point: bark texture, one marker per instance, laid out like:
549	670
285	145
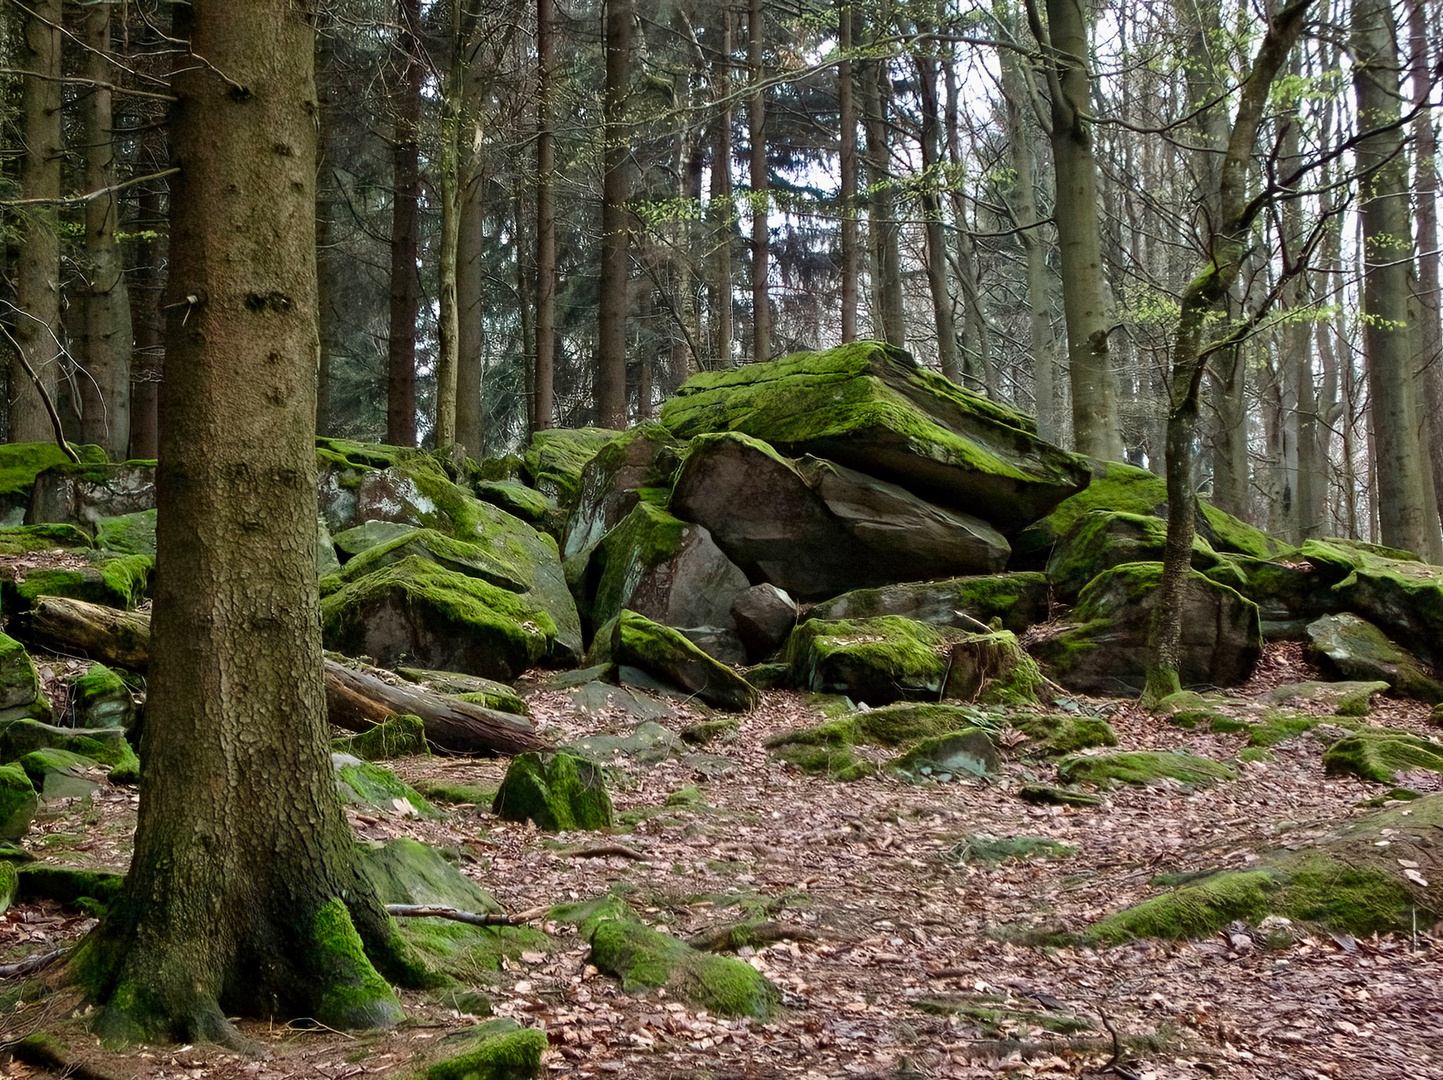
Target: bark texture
243	895
609	385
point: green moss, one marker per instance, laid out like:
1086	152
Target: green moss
890	725
69	886
992	669
1143	767
666	654
121	581
39	763
687	795
834	762
1018	599
127	534
1253	754
555	457
363	784
21	463
9	884
587	915
351	993
706	732
878	660
105	745
1056	734
991	850
969	752
1379	754
20	694
469	688
514	1055
1278	726
516	498
461	794
18	802
27	539
647	537
101	699
556	791
400	736
460	556
1357	900
643	958
1192	911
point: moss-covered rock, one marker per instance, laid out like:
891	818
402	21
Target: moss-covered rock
555	457
59	774
666	569
556	791
1402	597
1104	646
900	724
991	850
871	407
20	694
634	641
70	886
1356	649
1380	754
105	745
1056	734
9	884
1102	539
398	736
418	611
127	534
21	463
27	539
643	959
1018	599
119	581
18	802
519	500
364	784
992	669
1341	698
969	752
461	556
612	483
878	660
83	494
1127	489
101	699
510	1055
1143	767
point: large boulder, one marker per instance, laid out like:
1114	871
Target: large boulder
1354	648
669	570
764	615
1020	600
636	463
84	494
1102	539
1402	597
816	528
632	641
555	457
877	661
21	463
1104	648
871	407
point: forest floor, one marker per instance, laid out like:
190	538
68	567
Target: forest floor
906	959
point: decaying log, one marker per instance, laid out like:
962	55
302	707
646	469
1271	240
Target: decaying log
355	699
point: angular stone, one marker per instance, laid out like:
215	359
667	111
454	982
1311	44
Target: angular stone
18	802
717	642
1102	539
878	661
632	640
21	463
1019	599
83	494
815	528
764	616
614	481
555	457
871	407
556	791
20	694
1356	649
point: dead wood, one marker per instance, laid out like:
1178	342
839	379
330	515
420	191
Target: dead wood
472	918
728	938
356	699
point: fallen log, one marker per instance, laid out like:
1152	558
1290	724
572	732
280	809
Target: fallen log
356	699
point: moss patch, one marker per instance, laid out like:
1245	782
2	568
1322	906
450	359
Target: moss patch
353	994
1056	734
127	534
878	660
991	850
20	694
1193	910
1379	754
18	802
101	699
27	539
361	783
1144	767
514	1055
554	459
969	752
105	745
556	791
400	736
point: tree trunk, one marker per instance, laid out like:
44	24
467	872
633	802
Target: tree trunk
722	210
406	193
470	297
760	202
942	307
882	226
609	388
1096	426
448	328
847	196
544	371
37	270
149	355
1389	321
105	393
243	895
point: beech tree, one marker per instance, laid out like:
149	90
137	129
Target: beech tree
243	895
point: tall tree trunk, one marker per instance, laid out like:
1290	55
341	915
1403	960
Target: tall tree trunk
149	354
847	154
327	267
760	202
105	383
406	193
1096	425
470	296
609	387
882	225
544	371
1389	324
722	210
243	895
932	217
448	328
37	270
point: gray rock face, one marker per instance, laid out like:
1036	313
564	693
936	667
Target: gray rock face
816	529
83	494
1356	649
609	486
1018	599
1105	649
764	616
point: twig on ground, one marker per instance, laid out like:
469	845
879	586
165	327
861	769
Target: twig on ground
473	918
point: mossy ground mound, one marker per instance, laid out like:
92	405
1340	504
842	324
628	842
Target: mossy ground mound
1342	698
493	1054
1055	734
891	725
1380	754
1144	767
105	745
27	539
992	669
556	791
361	783
986	850
119	581
966	753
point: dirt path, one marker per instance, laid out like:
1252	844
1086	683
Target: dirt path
908	961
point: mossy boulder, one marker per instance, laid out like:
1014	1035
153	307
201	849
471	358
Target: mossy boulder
83	494
816	528
1127	489
519	500
1143	767
1347	698
127	534
1380	754
18	802
417	611
371	534
1102	539
105	745
969	752
395	737
1104	646
878	660
992	669
643	959
1289	590
900	724
503	1055
555	457
461	556
9	884
119	581
669	570
1019	600
1055	734
1402	597
361	783
871	407
20	694
27	539
100	698
59	774
471	688
21	463
556	791
1356	649
1381	873
70	886
634	641
613	482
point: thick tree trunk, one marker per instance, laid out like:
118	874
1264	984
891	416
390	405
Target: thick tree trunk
609	385
243	896
543	402
470	296
37	270
105	393
883	229
148	361
1390	322
406	193
760	201
1096	426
